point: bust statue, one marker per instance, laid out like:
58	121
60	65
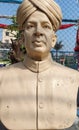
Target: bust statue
38	93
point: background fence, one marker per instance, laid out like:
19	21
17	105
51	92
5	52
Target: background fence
66	36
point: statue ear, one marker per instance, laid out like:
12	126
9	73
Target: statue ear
54	39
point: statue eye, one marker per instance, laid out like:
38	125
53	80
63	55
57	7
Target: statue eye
30	26
46	26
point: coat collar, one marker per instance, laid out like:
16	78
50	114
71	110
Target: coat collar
38	66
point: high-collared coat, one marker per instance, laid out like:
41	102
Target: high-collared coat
38	95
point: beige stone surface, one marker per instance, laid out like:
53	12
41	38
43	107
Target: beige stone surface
46	99
75	126
38	93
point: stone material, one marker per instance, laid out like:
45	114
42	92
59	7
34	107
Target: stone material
34	98
49	7
38	93
75	126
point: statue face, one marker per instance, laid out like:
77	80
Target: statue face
38	35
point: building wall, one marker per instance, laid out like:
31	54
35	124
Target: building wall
7	35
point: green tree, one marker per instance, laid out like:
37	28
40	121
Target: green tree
18	50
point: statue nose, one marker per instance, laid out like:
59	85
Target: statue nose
38	34
38	31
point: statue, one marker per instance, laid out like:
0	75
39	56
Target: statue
38	93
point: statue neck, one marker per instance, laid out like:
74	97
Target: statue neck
38	66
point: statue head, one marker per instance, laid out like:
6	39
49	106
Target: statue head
39	19
49	7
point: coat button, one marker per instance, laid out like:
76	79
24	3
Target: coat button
41	105
40	80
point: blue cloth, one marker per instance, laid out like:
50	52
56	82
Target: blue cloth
12	1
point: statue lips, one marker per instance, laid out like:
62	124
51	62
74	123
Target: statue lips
38	43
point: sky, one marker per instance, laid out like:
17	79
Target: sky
70	10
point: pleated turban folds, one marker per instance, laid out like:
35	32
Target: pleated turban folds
49	7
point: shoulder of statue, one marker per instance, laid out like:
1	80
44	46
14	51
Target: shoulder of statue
65	69
67	72
9	70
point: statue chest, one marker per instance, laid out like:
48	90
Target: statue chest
36	101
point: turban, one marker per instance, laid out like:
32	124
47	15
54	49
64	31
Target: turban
49	7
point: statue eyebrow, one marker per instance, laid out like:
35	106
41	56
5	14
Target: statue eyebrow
34	22
30	22
45	22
